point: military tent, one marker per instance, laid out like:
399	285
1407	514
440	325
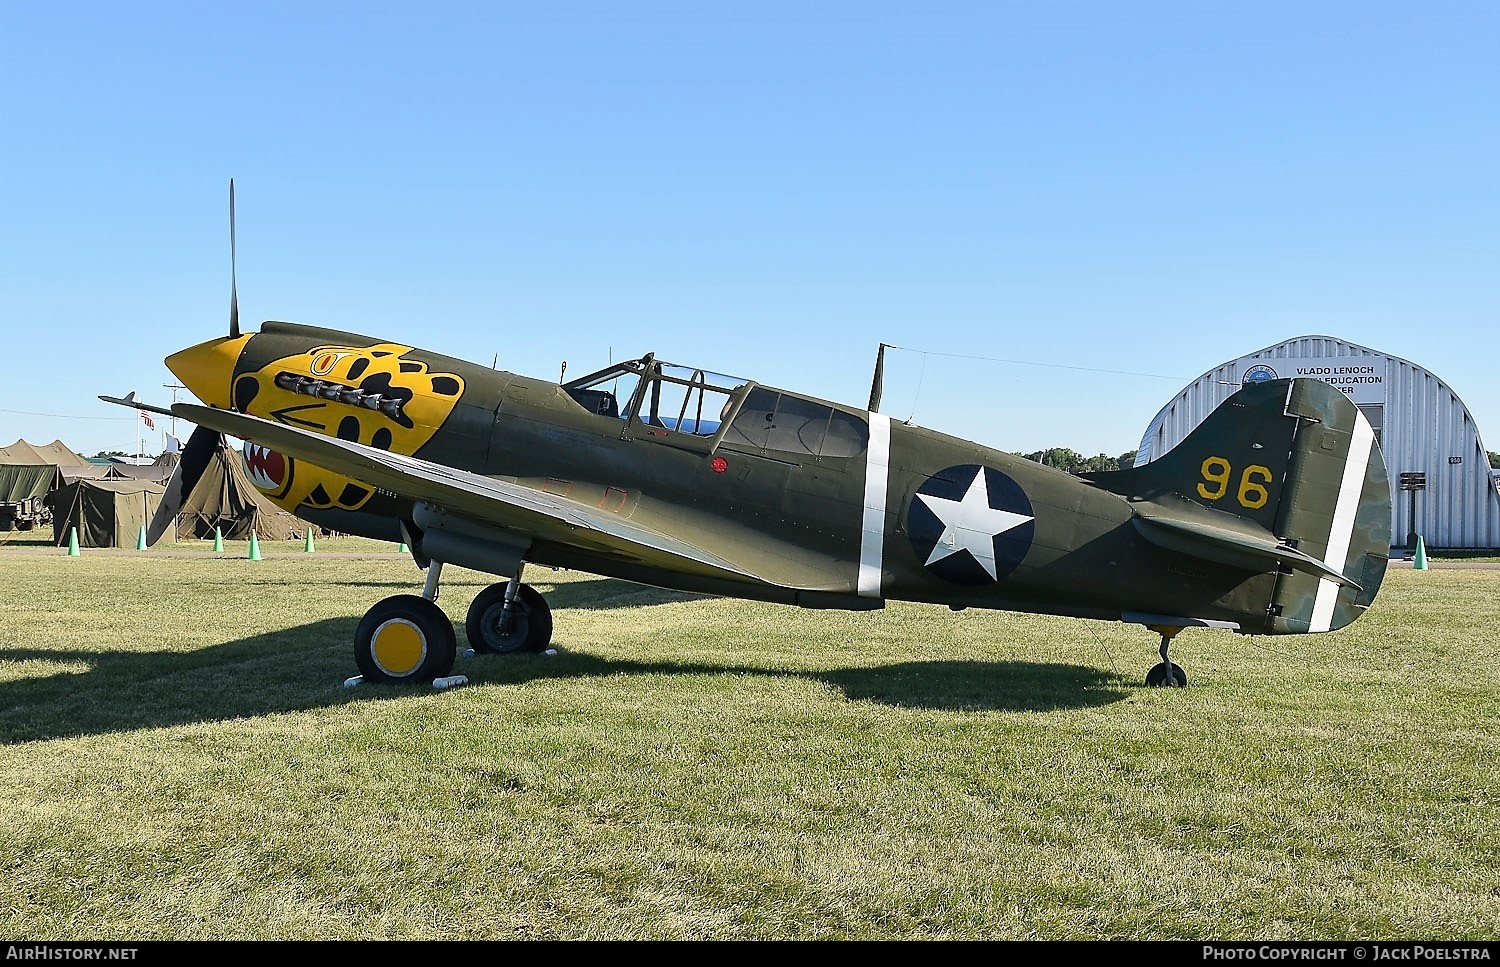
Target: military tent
224	498
89	471
23	492
107	513
55	453
158	471
19	481
27	474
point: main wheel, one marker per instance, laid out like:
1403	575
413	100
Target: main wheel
530	621
1157	677
404	638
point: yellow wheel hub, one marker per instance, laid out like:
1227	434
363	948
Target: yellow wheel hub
398	647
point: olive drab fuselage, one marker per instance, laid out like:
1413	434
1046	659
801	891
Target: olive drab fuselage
815	503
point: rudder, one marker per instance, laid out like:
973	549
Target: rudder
1336	507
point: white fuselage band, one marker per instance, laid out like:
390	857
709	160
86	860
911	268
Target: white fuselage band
877	478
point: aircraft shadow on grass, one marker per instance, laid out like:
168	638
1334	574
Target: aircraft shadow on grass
281	672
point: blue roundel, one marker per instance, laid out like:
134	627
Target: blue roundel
970	524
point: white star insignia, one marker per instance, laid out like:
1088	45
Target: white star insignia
971	524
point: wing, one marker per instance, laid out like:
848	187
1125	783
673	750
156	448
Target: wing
528	513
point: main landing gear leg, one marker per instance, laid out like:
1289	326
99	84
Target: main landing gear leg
1166	674
509	617
506	624
430	589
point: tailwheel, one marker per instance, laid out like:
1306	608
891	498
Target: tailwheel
404	638
1157	677
1167	674
502	620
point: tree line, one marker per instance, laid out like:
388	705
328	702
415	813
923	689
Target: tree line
1072	461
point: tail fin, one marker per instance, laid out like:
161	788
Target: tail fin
1285	476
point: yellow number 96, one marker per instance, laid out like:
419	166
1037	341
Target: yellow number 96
1252	492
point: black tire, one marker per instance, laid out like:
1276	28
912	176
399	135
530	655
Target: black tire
530	621
404	638
1157	677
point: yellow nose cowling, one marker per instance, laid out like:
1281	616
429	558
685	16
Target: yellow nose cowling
207	369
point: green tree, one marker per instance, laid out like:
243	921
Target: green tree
1494	460
1059	458
1072	461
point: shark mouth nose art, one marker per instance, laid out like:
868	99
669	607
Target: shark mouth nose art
267	468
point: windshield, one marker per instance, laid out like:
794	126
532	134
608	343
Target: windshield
673	396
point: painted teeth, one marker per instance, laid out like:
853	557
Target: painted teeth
257	461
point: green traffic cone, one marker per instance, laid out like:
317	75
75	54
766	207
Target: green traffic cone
307	545
218	541
254	547
140	542
1420	563
72	542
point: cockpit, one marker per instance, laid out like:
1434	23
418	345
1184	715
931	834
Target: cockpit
660	394
702	410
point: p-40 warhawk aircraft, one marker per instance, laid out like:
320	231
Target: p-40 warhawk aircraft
1272	517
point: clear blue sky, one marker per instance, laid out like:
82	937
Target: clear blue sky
1112	197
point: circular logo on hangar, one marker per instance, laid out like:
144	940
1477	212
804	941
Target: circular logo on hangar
970	524
1257	374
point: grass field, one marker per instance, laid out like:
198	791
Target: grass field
179	759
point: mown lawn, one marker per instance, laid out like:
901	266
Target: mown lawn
179	758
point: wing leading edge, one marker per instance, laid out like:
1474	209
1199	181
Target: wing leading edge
536	516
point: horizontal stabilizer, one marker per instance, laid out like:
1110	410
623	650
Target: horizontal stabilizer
1175	621
1238	546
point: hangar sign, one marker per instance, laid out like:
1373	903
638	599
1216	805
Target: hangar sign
1361	378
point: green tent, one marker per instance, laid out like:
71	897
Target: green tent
107	513
225	498
23	492
55	453
28	473
19	482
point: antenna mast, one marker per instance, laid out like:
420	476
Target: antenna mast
877	385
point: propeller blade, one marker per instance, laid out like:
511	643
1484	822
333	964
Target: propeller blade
200	449
234	294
